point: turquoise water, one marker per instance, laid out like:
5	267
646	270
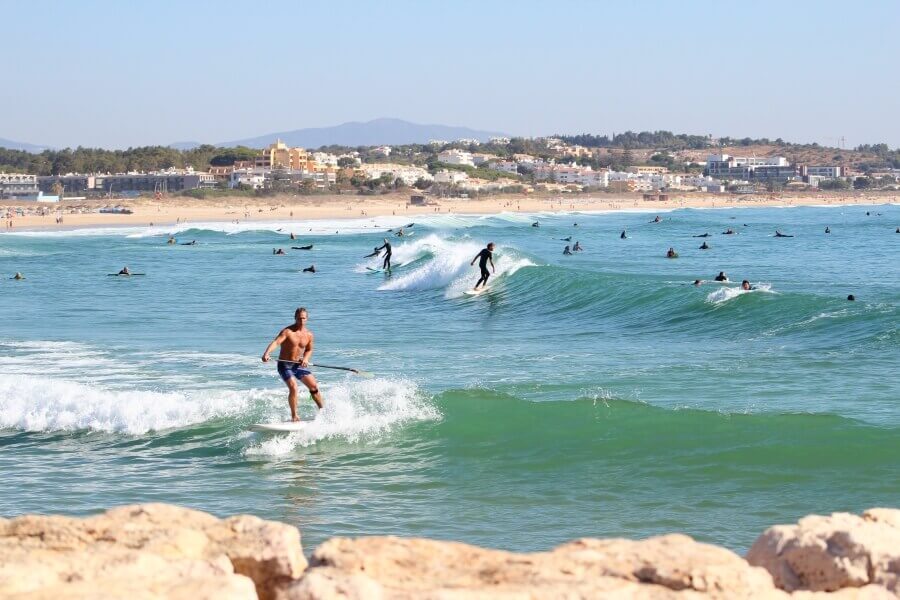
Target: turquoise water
591	395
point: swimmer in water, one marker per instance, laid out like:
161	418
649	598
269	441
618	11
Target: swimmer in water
18	276
721	276
704	246
124	271
622	235
656	220
698	282
567	239
745	285
671	253
310	269
577	247
375	252
779	234
851	298
702	235
535	224
827	229
567	252
277	251
728	231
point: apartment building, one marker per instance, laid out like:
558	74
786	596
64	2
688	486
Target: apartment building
647	170
450	177
767	169
456	157
506	166
823	172
18	185
280	156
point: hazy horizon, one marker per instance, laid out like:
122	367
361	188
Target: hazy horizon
100	74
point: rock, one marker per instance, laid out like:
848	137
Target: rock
147	551
843	550
672	566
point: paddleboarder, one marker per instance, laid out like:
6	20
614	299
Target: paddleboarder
296	343
486	255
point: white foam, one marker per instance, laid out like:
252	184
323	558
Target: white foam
447	266
42	404
355	411
724	294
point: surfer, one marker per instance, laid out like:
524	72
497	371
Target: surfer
704	246
296	343
728	231
827	229
721	277
779	234
293	237
851	298
191	243
622	236
171	241
698	282
486	255
310	269
309	247
702	235
566	239
18	276
567	252
745	285
277	251
577	247
656	220
670	253
535	224
375	252
124	271
386	265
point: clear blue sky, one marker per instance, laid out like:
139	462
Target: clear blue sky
118	74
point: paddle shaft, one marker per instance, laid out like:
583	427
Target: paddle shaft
297	362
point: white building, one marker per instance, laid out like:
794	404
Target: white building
382	151
456	157
450	176
325	159
18	185
251	176
500	141
469	141
507	166
408	174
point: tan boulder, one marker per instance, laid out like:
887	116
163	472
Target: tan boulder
828	553
673	566
157	544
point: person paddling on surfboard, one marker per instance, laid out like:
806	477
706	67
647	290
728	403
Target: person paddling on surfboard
387	255
483	257
296	343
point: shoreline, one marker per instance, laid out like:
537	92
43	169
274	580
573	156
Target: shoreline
180	210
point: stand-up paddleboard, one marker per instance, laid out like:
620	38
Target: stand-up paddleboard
477	292
373	270
284	427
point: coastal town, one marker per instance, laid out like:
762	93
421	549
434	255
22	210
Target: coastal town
465	168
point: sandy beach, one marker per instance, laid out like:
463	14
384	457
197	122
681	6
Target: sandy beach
172	210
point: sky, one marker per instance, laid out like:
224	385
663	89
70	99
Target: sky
117	74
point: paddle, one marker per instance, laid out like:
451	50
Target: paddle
354	371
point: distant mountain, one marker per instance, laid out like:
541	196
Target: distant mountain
370	133
11	145
185	145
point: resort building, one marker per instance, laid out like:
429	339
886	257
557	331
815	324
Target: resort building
280	156
768	169
18	186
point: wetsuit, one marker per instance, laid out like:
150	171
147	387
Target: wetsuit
483	257
387	256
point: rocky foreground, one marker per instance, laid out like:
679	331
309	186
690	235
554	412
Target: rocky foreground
152	551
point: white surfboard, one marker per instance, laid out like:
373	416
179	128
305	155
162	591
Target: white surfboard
283	427
477	292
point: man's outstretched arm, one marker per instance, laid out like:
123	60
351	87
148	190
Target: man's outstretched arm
279	339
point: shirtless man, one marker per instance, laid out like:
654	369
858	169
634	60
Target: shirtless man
296	343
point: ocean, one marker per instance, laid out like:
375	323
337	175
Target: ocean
593	395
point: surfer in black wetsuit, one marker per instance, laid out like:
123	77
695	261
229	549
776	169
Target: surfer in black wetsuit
704	246
779	234
721	276
828	230
745	285
567	239
310	269
702	235
567	252
387	255
486	255
622	236
577	247
375	252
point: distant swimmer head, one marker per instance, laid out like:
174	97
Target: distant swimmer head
698	282
851	298
745	285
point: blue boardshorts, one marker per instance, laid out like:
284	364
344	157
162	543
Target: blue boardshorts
289	369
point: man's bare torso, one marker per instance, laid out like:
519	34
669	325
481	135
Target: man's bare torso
295	343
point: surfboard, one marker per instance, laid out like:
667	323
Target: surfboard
477	292
372	270
284	427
